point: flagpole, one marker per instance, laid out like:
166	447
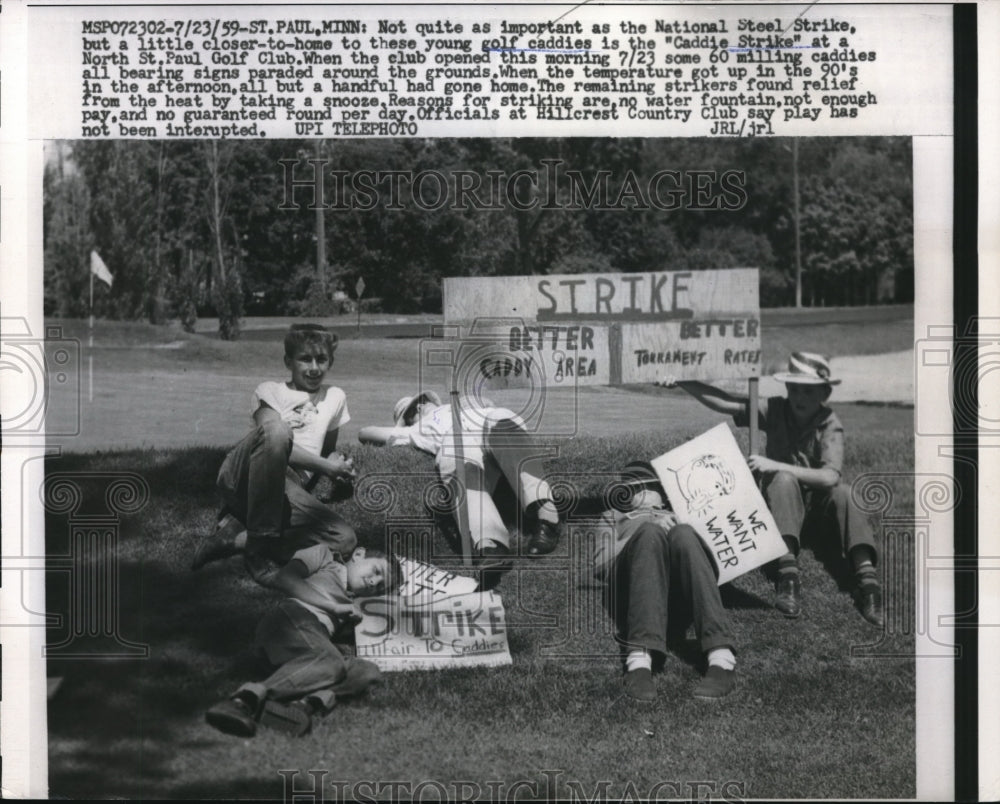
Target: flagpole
90	341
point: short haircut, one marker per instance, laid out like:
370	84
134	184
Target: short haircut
301	335
394	570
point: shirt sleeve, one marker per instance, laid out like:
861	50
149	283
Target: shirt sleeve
742	419
312	557
264	393
340	416
831	445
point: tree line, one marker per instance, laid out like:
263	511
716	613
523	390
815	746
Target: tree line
208	228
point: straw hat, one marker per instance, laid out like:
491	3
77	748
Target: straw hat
807	368
406	405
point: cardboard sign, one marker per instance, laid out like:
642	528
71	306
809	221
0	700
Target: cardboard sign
711	488
607	297
718	348
605	329
436	621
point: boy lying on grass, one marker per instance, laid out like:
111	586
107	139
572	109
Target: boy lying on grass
800	476
497	448
661	578
296	638
264	481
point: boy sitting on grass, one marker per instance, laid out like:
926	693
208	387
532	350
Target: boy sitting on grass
264	480
296	638
800	476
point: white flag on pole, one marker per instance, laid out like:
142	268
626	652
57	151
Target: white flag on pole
99	269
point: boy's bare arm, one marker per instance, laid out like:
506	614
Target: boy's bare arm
373	434
711	397
335	465
823	478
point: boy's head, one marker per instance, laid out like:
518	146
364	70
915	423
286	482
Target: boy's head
643	487
371	573
309	352
808	383
407	410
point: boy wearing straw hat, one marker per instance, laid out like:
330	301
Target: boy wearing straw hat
801	476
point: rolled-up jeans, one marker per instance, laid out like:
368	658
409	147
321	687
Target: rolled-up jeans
660	583
265	494
293	640
501	450
831	513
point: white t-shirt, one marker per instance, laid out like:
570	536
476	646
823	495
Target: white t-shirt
311	416
432	433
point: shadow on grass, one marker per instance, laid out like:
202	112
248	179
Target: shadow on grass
135	727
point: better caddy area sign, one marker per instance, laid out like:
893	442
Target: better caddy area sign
608	329
436	620
711	488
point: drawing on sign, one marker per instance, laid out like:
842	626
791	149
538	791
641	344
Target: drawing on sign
703	480
711	488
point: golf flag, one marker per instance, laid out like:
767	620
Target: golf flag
99	269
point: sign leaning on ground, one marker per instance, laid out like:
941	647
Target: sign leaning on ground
436	620
711	488
613	328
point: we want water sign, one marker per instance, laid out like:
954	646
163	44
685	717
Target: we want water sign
711	488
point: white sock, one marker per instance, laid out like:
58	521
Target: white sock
722	657
547	512
638	659
241	540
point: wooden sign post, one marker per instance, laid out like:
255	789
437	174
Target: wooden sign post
359	289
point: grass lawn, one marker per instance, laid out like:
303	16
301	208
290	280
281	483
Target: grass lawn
810	718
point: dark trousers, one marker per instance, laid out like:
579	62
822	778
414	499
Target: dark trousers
259	488
829	513
660	583
293	640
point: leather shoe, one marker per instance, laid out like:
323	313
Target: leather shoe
717	683
493	562
290	718
232	716
544	539
787	591
639	685
213	548
868	599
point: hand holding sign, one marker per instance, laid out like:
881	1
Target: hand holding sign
766	466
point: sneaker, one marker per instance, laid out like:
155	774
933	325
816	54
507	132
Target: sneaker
639	685
717	683
493	562
868	599
232	716
544	538
213	548
290	718
787	591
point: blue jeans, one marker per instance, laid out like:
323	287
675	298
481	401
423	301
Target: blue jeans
660	583
830	513
293	640
265	494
